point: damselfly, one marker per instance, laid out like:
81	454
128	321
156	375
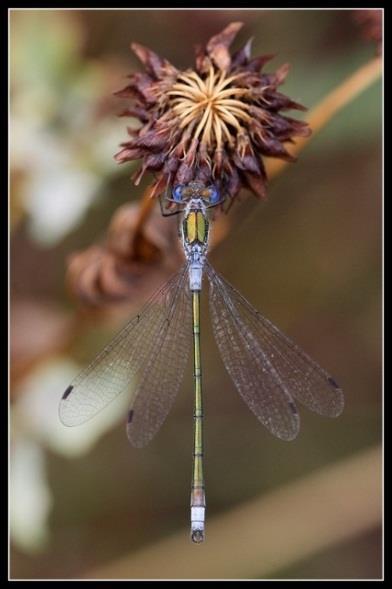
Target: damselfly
147	358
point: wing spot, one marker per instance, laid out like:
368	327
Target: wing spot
130	416
67	392
333	383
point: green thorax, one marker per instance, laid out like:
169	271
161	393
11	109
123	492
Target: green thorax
195	227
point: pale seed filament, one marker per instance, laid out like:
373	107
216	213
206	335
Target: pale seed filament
211	104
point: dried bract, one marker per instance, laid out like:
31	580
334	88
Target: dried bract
213	123
128	266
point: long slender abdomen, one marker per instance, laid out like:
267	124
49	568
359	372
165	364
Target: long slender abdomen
198	503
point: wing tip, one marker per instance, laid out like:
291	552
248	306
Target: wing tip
339	404
286	432
289	436
137	441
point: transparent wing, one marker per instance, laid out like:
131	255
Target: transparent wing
269	370
163	372
121	364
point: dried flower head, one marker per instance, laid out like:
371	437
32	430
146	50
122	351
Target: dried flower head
211	124
124	268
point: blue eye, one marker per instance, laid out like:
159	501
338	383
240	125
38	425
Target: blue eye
177	193
214	195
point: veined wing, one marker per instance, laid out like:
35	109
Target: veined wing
121	364
162	374
269	370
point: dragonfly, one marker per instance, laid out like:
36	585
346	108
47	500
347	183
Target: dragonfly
148	357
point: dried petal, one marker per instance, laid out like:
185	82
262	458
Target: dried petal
128	154
274	148
233	184
217	46
202	61
257	63
242	56
135	111
153	62
184	174
276	101
256	183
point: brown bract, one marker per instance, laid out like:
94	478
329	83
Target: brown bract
213	123
122	269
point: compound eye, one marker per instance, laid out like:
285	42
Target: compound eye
177	193
214	195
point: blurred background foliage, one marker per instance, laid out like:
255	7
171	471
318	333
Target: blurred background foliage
309	258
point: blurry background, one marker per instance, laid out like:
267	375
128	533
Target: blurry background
309	259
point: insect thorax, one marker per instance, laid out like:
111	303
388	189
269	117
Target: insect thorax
195	228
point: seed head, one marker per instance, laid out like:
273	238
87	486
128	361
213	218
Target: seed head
211	124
